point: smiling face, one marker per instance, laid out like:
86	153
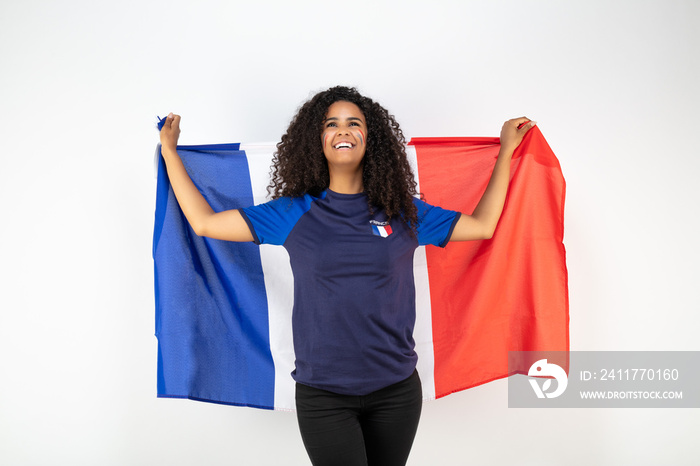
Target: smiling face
344	136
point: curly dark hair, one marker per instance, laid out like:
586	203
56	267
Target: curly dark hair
299	166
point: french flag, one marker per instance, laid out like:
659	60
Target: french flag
223	309
381	230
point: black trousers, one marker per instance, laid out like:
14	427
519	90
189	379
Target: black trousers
373	429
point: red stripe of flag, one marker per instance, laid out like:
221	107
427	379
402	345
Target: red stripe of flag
508	293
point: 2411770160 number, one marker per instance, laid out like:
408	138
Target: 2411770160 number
639	374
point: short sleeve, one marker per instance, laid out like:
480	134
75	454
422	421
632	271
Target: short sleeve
435	224
271	222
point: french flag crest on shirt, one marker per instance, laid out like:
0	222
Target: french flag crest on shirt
382	229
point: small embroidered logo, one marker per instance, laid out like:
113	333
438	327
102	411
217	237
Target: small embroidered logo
382	229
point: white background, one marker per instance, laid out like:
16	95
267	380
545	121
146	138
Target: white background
614	86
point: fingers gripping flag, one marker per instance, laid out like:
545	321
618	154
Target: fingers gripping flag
223	309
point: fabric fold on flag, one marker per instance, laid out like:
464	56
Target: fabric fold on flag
223	309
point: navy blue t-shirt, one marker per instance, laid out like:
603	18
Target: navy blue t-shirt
354	294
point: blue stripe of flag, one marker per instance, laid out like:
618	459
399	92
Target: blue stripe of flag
213	339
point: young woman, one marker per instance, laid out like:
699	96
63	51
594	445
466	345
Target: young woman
344	206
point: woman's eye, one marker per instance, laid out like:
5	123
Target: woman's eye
330	125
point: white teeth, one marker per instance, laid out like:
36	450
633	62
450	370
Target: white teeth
342	145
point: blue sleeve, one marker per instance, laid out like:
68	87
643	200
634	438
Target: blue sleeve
435	224
271	222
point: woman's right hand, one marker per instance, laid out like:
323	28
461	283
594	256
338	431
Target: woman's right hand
170	132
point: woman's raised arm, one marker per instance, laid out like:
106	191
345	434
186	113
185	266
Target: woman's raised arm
227	225
482	222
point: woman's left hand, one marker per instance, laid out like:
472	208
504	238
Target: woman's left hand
513	132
